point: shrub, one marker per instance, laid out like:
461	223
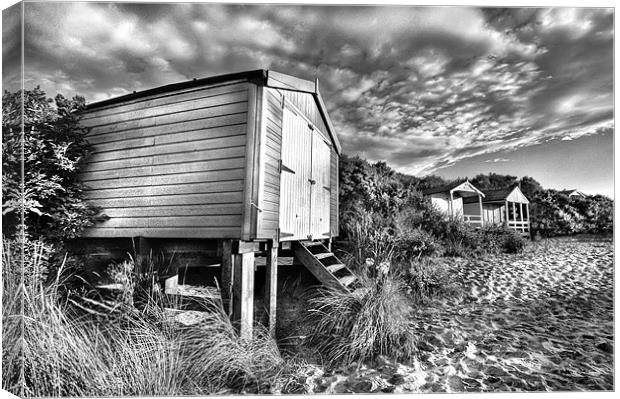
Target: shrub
512	242
429	278
358	326
53	149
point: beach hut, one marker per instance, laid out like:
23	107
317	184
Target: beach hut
507	206
449	200
573	193
230	167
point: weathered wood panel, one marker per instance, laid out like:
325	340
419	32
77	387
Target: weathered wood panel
333	204
170	165
268	219
321	187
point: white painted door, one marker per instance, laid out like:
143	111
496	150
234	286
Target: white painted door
319	211
295	176
304	180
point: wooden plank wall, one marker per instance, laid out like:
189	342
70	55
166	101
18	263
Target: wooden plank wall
273	119
170	165
268	219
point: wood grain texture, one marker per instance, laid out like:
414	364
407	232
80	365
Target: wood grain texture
173	164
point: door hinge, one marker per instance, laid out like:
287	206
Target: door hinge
284	168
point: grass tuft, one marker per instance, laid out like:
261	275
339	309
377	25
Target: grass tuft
359	326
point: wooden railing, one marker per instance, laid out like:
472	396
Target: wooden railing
523	226
472	219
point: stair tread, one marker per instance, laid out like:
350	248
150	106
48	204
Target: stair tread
346	280
335	268
323	255
311	243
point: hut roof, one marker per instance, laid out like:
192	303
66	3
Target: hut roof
260	76
502	194
459	185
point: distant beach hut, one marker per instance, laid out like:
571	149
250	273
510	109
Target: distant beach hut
506	206
450	198
573	193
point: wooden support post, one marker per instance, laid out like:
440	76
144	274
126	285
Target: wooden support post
143	251
514	214
227	277
271	285
481	211
243	293
451	205
527	209
507	215
521	216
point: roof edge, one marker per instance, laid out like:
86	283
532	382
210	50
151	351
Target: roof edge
257	75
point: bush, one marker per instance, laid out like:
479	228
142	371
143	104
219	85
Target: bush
358	326
58	345
429	278
513	243
53	149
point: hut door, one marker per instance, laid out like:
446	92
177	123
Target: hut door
319	211
295	177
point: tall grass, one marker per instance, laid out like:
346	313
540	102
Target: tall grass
357	327
59	344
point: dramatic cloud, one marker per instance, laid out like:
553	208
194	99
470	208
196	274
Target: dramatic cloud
421	88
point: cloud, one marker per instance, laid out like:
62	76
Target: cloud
419	87
497	160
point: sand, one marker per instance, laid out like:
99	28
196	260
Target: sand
539	321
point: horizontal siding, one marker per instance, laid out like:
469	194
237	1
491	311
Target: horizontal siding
171	189
169	232
166	179
208	124
165	99
188	114
175	158
215	166
186	199
170	166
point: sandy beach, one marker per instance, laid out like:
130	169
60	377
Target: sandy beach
539	321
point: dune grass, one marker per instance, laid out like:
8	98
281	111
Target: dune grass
59	344
359	326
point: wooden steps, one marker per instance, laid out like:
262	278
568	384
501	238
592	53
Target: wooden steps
325	266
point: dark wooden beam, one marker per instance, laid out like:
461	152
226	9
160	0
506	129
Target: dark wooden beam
227	277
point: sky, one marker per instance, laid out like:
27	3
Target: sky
453	91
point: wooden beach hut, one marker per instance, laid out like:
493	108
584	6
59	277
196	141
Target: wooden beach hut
508	207
231	167
449	200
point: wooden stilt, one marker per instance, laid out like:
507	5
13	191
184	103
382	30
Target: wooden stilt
481	211
271	285
227	277
143	251
451	205
243	293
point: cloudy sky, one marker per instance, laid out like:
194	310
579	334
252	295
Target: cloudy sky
444	90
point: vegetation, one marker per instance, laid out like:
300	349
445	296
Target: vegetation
77	346
359	326
54	149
